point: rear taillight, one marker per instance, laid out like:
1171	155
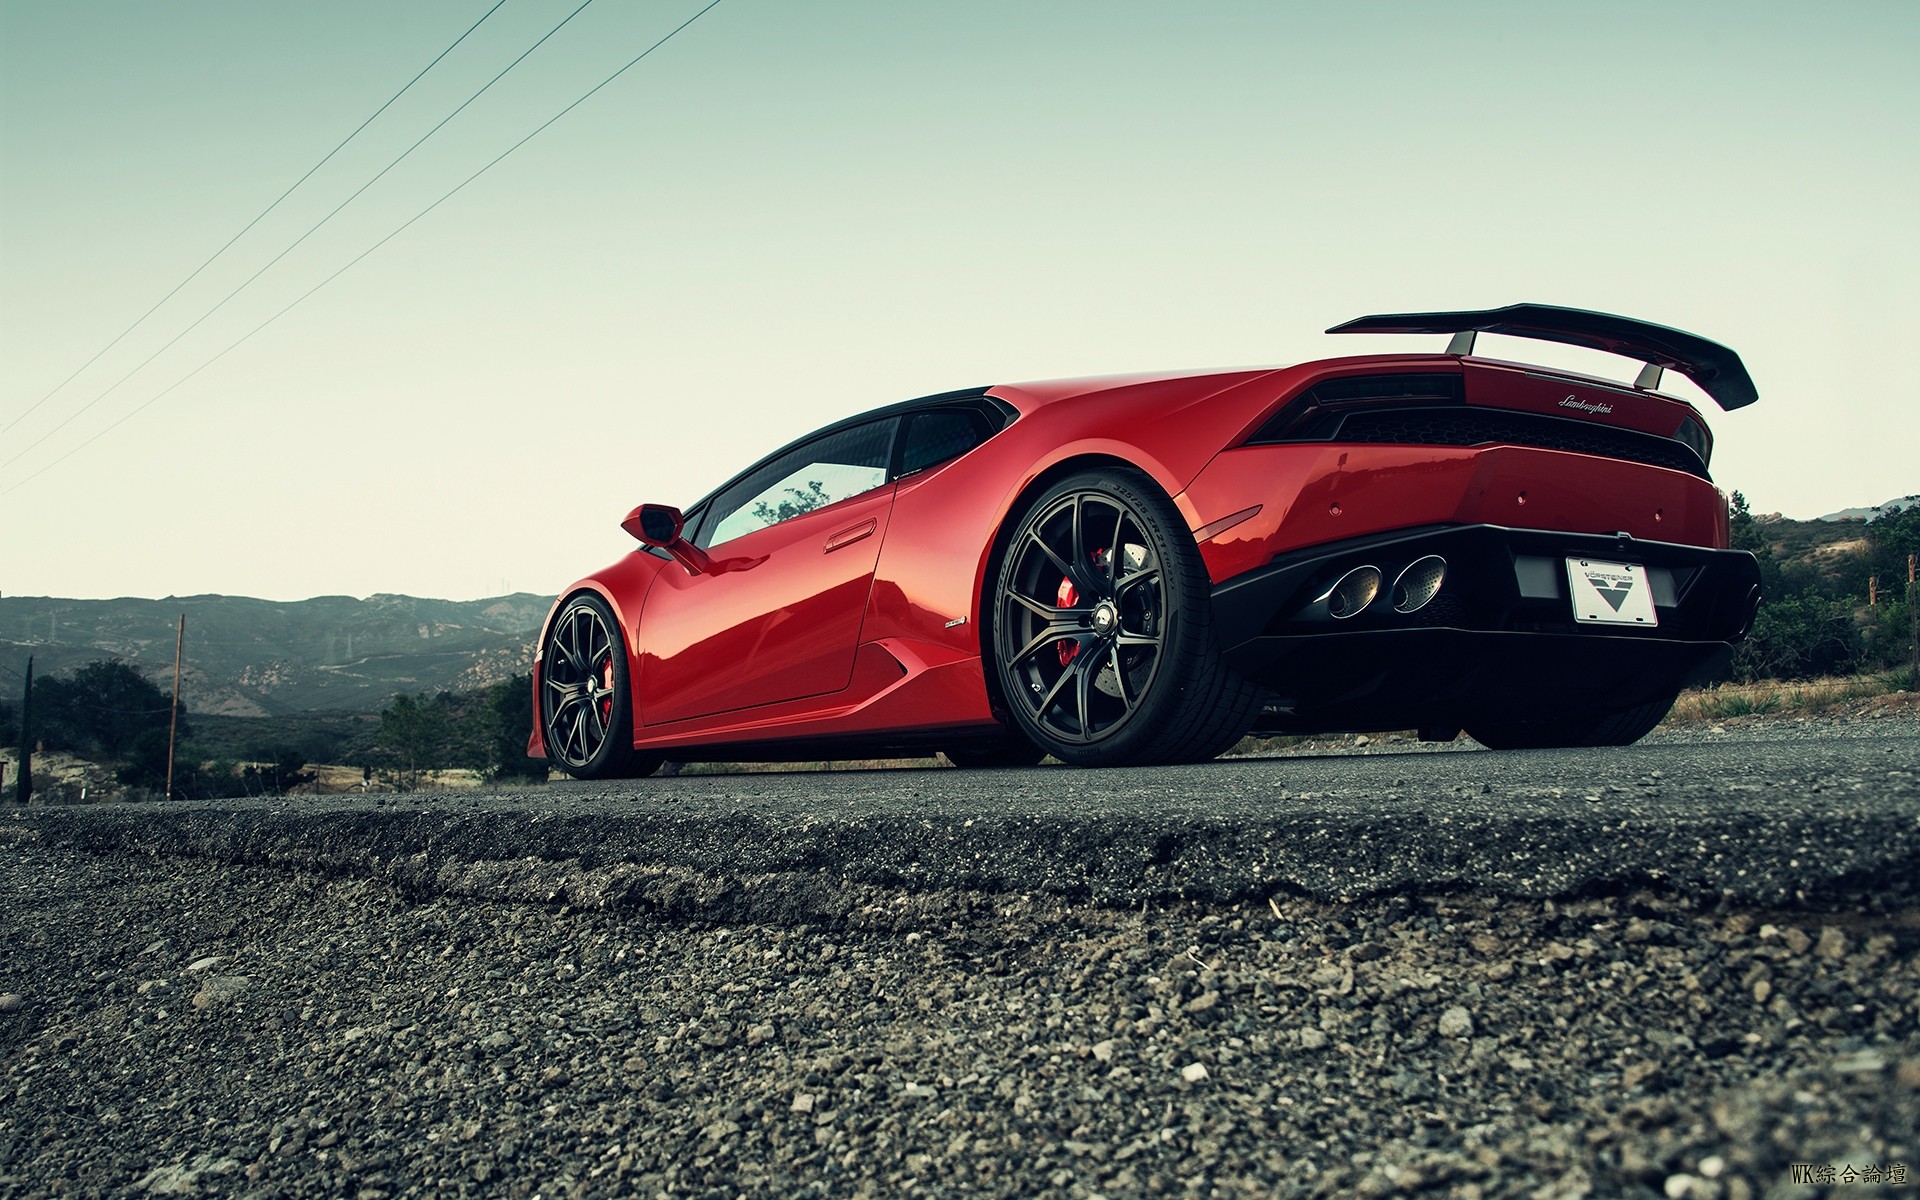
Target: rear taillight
1315	412
1694	436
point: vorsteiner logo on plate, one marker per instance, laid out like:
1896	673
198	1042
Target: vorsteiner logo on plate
1614	586
1610	593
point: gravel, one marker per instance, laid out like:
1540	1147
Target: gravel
205	1023
364	1043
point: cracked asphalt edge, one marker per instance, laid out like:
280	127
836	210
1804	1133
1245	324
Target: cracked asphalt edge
1839	852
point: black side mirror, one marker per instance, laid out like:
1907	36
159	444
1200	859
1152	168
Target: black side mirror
661	525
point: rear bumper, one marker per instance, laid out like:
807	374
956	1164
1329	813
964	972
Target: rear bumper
1499	636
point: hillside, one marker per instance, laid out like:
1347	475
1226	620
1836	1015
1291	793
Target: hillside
1816	543
249	659
266	658
1867	514
1832	548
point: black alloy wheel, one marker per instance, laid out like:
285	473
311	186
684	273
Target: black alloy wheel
1101	629
586	708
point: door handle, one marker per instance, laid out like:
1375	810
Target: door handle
847	537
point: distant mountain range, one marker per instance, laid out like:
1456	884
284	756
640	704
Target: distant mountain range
1868	514
268	658
260	658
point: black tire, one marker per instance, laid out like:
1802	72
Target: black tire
586	704
1010	751
1102	629
1622	728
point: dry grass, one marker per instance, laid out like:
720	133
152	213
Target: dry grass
839	764
60	778
331	780
1808	696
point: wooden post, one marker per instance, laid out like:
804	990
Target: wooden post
25	783
1913	620
173	722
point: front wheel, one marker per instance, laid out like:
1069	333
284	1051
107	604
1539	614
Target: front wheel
586	706
1102	633
1622	728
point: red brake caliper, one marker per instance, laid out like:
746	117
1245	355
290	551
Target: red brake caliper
1067	597
606	705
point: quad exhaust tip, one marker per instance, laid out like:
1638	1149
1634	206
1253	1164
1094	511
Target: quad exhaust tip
1413	589
1418	584
1351	594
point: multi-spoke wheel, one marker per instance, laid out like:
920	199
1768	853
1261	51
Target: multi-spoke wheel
586	712
1101	629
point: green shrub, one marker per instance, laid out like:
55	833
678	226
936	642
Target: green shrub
1800	637
508	719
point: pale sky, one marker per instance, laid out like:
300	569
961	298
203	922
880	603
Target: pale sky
797	211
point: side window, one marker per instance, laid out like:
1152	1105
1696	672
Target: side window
935	437
812	476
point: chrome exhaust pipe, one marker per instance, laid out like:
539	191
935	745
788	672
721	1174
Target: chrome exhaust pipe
1416	586
1352	592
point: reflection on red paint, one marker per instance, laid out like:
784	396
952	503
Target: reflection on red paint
866	619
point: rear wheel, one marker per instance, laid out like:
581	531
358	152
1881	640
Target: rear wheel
1622	728
1102	633
586	706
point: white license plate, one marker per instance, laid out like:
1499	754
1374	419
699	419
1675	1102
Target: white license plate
1610	593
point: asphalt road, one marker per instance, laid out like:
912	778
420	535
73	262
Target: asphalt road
1779	813
1687	968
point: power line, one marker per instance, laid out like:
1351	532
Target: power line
250	224
296	242
457	188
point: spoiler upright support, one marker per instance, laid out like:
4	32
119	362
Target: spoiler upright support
1717	369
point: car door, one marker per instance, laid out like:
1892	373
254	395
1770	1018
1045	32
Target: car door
795	542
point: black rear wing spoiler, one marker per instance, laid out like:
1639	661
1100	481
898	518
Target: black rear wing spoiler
1717	370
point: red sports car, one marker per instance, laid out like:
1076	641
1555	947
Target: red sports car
1143	569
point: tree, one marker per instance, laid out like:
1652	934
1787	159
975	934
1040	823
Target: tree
416	738
286	772
1889	644
146	768
103	709
1891	537
507	718
806	501
146	765
1746	534
1798	637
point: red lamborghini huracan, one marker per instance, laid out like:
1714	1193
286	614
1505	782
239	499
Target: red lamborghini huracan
1142	569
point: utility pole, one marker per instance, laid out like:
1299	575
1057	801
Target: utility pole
1913	619
173	721
25	784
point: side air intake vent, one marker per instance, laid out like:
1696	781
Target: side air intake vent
1424	388
1315	412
